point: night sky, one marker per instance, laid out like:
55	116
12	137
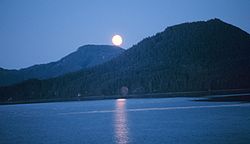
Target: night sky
41	31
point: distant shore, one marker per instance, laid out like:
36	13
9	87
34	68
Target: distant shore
242	95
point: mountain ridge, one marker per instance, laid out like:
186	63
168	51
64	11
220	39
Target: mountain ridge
84	57
197	56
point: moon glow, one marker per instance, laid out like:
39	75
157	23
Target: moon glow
117	40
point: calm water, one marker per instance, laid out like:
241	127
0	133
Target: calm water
165	120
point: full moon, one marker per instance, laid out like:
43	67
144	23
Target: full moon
117	40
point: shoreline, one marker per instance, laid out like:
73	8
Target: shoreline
208	95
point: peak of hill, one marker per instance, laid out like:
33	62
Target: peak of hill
85	57
196	56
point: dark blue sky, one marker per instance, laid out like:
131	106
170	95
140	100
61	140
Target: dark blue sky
41	31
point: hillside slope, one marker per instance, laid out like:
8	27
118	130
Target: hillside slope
85	57
205	55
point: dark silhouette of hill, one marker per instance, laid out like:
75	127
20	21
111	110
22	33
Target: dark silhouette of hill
85	57
197	56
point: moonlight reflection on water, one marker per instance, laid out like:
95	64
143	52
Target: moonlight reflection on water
121	129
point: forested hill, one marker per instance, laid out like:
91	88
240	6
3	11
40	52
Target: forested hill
85	57
205	55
